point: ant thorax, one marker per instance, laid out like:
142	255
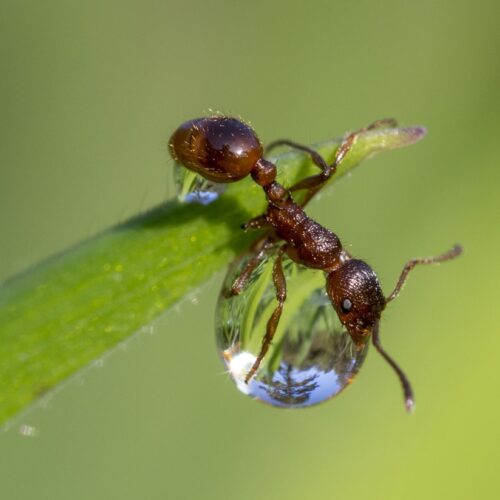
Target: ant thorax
308	242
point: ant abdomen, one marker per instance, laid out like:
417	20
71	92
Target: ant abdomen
219	148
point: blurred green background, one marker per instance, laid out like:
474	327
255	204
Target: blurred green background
90	92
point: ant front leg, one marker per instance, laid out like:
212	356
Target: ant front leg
259	250
280	287
259	222
314	183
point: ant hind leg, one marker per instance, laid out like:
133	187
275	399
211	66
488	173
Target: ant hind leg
316	158
314	183
309	182
280	287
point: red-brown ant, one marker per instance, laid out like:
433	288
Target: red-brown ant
224	149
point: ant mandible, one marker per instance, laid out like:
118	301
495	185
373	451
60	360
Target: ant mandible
223	149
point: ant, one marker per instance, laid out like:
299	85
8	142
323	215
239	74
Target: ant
224	149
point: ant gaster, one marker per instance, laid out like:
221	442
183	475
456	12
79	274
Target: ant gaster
224	149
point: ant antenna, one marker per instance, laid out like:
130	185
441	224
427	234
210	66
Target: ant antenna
450	254
407	390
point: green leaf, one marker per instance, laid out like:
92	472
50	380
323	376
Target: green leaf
69	310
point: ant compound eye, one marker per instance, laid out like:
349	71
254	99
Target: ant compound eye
346	305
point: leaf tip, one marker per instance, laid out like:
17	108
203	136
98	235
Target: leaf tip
415	133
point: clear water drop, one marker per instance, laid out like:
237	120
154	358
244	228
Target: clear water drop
192	188
312	357
28	430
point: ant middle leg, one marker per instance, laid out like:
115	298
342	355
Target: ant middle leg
279	281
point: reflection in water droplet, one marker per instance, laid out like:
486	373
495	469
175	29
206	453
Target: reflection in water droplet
311	359
192	188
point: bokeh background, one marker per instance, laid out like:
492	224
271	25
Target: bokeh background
90	92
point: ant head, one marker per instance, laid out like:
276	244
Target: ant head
357	297
219	148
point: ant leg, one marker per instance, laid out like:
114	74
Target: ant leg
405	383
260	248
280	287
316	158
383	123
450	254
347	143
314	183
258	222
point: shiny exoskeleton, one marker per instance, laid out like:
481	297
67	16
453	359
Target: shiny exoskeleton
224	149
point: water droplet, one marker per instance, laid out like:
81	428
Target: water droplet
149	329
28	430
45	401
312	357
192	188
